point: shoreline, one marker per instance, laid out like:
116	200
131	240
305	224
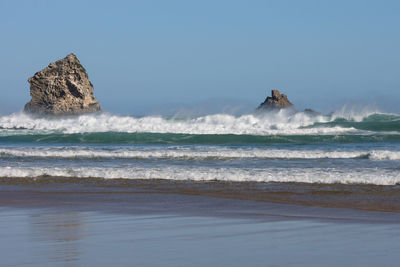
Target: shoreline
34	191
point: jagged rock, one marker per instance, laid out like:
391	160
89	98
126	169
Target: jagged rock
277	101
63	88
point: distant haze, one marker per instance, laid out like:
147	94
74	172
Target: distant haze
147	57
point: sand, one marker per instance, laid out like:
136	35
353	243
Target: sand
159	223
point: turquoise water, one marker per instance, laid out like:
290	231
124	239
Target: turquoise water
343	147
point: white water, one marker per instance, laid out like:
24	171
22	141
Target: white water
354	113
282	122
379	164
308	175
197	152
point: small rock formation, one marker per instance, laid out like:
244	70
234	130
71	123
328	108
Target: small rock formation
277	101
63	88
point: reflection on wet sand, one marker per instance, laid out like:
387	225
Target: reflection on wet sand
95	222
48	237
60	235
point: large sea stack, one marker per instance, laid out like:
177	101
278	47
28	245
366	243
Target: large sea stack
63	88
276	101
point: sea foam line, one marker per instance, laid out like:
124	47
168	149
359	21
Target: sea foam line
312	175
217	153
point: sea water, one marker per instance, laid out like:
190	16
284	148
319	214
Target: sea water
282	146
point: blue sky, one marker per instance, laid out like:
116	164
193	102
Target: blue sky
147	57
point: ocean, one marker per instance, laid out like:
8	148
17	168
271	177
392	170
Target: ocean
340	148
260	189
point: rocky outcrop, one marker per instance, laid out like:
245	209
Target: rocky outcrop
277	101
63	88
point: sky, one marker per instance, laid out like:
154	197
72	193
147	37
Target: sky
150	57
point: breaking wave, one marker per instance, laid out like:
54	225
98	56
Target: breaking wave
281	126
195	153
300	175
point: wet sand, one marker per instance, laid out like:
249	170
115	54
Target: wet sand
354	196
161	223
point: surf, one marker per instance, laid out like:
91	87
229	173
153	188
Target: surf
298	175
270	127
218	153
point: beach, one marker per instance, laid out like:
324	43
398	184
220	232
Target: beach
22	191
51	223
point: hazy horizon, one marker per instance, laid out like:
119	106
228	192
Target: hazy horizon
155	57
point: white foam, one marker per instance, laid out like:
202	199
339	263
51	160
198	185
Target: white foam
308	175
354	113
384	155
282	122
197	152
